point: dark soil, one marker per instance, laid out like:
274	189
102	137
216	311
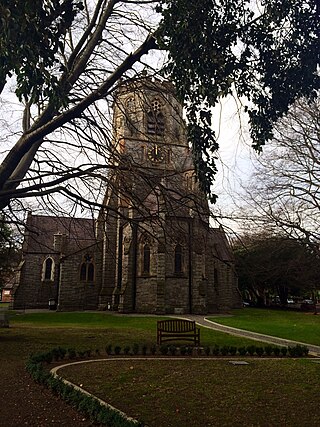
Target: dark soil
25	403
207	392
22	401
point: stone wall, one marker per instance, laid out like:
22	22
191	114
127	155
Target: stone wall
150	200
31	291
76	294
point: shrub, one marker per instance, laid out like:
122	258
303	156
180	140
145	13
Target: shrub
91	406
298	351
233	350
55	354
109	349
88	352
144	350
42	357
126	350
216	350
301	350
225	350
72	354
58	353
242	351
153	349
135	349
251	349
259	351
276	351
48	357
268	350
284	351
172	350
117	350
164	349
207	351
189	350
62	352
291	351
183	350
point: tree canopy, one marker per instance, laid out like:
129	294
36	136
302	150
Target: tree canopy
283	192
68	56
275	265
9	254
266	54
31	34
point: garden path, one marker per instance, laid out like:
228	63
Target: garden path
314	350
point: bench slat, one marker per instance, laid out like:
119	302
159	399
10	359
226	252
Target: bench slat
178	329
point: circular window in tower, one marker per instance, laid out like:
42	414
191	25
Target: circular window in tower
155	118
155	105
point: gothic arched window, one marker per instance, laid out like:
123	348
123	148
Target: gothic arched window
90	273
178	259
87	269
83	271
130	105
48	269
160	124
151	122
146	259
216	277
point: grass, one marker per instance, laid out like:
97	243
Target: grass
104	328
207	393
4	305
173	393
297	326
82	319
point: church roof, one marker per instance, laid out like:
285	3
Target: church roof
77	233
221	246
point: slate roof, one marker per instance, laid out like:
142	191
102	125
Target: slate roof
40	230
221	245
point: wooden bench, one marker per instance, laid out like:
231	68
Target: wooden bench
177	329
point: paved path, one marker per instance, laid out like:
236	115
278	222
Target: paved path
314	350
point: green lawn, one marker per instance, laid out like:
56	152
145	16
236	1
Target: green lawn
202	392
297	326
206	392
107	328
4	305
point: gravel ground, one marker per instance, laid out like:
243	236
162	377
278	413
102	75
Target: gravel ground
25	403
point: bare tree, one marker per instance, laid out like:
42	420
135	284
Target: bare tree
63	142
82	50
283	193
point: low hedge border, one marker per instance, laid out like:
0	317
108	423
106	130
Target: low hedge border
103	413
172	350
94	408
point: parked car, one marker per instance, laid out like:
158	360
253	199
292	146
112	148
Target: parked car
308	305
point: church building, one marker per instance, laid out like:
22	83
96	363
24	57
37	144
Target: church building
151	249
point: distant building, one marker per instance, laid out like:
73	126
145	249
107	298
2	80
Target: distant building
151	250
7	292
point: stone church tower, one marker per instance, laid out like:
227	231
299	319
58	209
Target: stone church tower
151	249
165	258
